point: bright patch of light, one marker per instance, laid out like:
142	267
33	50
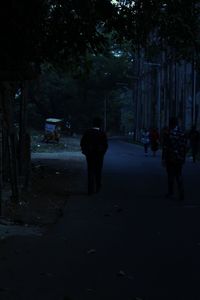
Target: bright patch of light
123	2
117	53
18	93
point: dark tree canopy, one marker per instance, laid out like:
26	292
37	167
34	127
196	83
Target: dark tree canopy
64	31
77	27
173	24
36	31
22	30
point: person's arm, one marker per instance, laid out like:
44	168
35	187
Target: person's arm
105	142
83	143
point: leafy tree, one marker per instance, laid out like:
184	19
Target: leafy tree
35	32
80	95
172	25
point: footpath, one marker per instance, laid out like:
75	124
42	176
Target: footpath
127	242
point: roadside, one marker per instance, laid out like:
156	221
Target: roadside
53	178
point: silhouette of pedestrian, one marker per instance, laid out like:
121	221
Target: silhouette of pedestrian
194	138
145	141
94	145
154	140
173	157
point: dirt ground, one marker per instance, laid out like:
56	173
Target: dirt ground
55	175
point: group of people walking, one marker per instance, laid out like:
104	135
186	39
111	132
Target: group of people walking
150	138
174	143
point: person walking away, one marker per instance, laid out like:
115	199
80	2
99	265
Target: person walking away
94	145
173	157
194	138
145	141
154	141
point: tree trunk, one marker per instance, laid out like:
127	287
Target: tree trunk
1	159
13	167
22	129
11	140
24	140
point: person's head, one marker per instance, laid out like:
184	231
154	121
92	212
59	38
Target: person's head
173	122
96	122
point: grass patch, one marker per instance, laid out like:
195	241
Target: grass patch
69	144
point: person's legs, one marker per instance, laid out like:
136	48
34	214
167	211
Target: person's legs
179	180
153	148
170	179
146	149
98	172
194	154
91	175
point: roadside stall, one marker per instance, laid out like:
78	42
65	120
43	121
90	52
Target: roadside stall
52	130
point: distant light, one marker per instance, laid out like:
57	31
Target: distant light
18	93
117	53
124	2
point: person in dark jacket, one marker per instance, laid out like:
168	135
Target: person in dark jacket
173	157
94	145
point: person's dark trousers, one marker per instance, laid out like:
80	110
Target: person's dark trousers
146	146
194	153
174	173
94	164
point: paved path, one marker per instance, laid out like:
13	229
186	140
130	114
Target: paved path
128	242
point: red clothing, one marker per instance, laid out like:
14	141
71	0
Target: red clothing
154	139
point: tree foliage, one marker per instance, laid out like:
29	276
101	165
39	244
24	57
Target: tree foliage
22	30
77	97
172	25
38	31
